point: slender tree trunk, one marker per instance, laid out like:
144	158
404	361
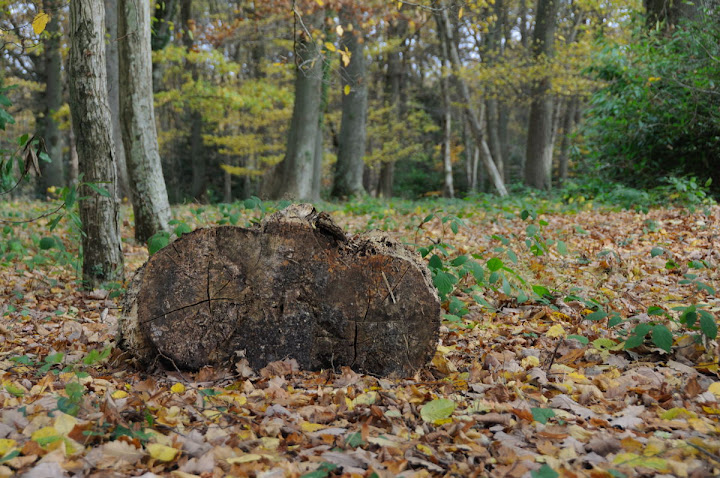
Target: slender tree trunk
538	162
227	187
113	77
567	125
474	119
150	200
48	128
196	156
102	249
393	91
448	186
351	149
320	139
293	177
494	49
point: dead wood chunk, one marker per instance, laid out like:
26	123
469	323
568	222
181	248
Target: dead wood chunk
295	287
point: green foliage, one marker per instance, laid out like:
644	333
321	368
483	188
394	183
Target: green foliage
657	119
542	415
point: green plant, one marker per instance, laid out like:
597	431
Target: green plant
657	117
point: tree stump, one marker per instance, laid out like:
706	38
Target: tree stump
294	287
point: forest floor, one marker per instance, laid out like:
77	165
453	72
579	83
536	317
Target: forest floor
552	358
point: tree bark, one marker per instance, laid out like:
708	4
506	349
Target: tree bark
448	187
393	92
475	120
567	125
52	173
351	148
149	196
113	77
538	154
102	249
293	177
198	160
295	287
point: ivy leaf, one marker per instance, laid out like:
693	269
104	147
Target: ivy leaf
494	264
708	324
444	282
157	242
542	414
656	251
662	337
597	315
544	472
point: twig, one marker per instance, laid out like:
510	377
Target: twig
387	284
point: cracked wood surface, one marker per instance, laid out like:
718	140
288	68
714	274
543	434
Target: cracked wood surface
295	287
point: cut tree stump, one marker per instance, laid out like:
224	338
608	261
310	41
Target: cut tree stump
293	287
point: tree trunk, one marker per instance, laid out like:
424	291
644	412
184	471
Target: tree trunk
113	77
443	22
567	125
351	149
448	187
493	129
102	249
295	287
48	128
538	154
393	92
293	177
150	200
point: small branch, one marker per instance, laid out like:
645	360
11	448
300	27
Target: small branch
387	284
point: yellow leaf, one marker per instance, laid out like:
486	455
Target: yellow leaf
40	22
714	388
329	46
119	394
320	2
311	427
425	449
399	5
555	331
346	90
676	412
162	452
339	30
345	58
45	435
270	443
177	388
460	13
248	457
6	445
64	423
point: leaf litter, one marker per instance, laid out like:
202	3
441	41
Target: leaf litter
517	388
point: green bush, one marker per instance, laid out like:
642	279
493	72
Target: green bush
659	114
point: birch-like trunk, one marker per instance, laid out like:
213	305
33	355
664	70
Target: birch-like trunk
112	61
150	200
475	120
102	249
